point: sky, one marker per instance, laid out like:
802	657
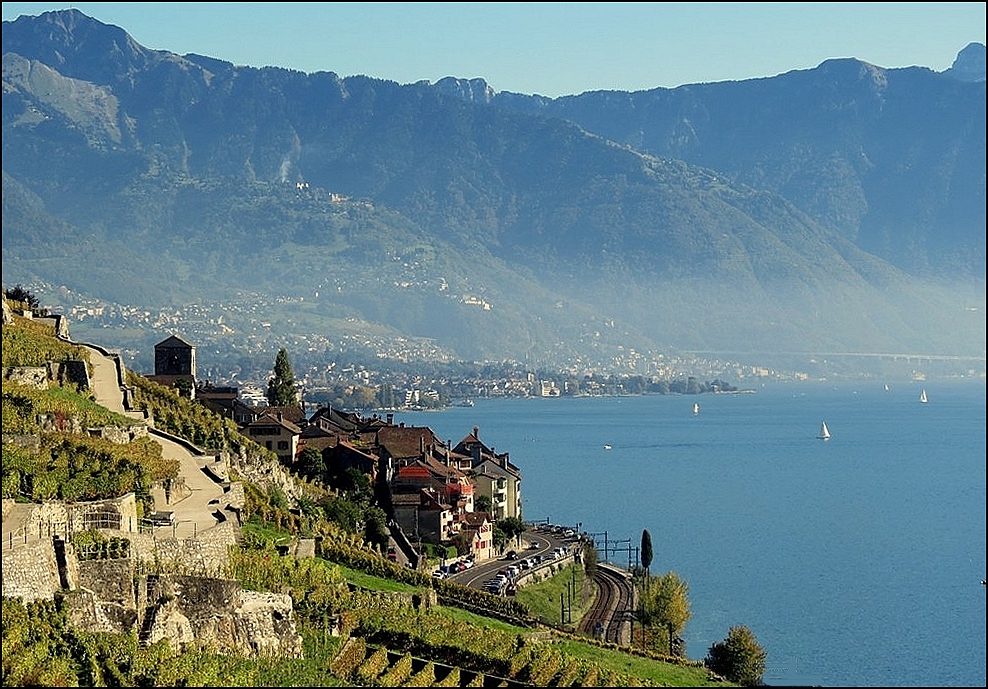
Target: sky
550	49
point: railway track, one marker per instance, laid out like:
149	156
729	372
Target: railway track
608	619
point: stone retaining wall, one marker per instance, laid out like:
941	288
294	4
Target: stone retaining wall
31	572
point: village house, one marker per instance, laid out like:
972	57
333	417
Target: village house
493	475
276	433
478	534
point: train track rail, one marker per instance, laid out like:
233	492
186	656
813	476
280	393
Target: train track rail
609	617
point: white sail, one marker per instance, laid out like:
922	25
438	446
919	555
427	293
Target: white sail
696	408
922	396
824	432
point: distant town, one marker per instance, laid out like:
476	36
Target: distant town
362	369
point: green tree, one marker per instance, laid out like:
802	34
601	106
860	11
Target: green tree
482	503
345	513
498	537
375	527
23	295
311	463
739	657
590	559
512	527
664	604
646	550
281	388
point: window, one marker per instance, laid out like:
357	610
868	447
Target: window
282	444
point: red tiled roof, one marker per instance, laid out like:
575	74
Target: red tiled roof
415	471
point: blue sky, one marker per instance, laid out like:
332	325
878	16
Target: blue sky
552	49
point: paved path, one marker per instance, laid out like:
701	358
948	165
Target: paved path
194	513
105	382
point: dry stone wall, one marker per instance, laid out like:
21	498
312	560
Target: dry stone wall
30	571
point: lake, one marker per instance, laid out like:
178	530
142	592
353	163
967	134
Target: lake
855	561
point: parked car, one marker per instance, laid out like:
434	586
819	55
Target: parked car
511	555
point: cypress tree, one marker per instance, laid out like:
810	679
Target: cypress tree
281	388
646	549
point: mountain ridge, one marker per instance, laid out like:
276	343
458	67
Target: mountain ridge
441	211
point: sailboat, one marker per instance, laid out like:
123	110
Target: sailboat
922	396
696	407
886	387
824	432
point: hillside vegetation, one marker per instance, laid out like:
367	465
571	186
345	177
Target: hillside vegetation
364	620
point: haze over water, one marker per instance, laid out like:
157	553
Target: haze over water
856	561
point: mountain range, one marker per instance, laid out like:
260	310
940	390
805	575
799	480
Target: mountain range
834	210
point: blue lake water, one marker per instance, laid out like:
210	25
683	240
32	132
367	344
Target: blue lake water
856	561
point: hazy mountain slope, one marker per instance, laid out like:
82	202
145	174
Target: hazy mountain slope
894	159
151	179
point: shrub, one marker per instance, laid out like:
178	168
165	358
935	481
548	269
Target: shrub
739	657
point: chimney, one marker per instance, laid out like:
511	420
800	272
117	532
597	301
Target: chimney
391	419
476	432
